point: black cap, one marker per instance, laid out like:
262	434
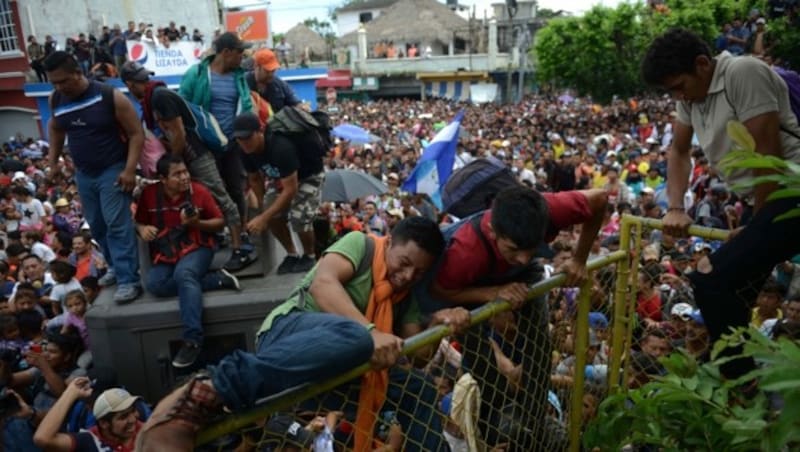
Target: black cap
245	125
132	71
284	426
230	40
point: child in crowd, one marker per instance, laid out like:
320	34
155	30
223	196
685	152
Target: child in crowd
76	307
768	304
26	298
30	323
64	276
91	288
10	335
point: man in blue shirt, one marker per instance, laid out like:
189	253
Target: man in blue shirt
737	38
118	46
218	85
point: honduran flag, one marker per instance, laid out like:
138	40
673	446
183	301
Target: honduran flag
436	163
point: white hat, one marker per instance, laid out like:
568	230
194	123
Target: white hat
761	21
681	310
18	175
111	401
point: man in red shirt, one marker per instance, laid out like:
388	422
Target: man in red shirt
492	256
178	218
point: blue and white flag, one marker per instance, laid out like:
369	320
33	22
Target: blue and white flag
436	163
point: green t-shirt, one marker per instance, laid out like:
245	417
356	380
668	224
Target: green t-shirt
353	247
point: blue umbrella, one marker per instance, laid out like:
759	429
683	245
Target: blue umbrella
354	134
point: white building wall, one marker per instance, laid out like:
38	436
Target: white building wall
63	18
348	21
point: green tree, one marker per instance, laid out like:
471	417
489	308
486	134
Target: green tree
599	53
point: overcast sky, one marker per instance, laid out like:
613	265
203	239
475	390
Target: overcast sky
288	13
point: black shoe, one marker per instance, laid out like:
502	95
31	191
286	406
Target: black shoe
287	265
303	264
239	260
229	281
187	355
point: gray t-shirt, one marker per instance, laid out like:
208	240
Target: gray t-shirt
741	89
224	101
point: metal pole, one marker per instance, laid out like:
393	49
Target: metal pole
633	283
619	320
581	347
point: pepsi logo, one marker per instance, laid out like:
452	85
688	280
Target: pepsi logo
138	53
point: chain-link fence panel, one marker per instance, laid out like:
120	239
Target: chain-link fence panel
522	380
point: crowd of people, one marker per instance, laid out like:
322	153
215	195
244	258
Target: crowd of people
579	166
103	54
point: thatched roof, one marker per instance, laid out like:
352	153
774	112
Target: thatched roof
365	5
300	37
412	21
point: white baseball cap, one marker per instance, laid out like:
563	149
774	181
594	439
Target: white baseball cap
111	401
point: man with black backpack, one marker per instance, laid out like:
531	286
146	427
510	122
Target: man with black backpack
492	255
294	162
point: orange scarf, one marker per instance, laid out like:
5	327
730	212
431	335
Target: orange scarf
379	312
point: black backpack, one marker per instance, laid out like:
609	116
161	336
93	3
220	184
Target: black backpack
472	188
292	121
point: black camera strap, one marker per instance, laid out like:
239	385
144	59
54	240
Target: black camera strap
160	204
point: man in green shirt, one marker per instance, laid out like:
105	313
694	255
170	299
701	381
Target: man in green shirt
335	320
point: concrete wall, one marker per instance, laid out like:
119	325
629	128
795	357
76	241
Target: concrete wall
479	62
64	18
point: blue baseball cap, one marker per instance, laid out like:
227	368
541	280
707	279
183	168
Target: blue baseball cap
697	316
598	321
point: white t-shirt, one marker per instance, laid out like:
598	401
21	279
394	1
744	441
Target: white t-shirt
59	292
32	213
43	251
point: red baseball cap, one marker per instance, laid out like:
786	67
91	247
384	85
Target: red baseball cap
266	59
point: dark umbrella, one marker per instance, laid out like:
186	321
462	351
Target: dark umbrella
347	185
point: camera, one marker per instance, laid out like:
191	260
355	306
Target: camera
188	209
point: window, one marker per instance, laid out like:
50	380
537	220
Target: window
362	18
8	34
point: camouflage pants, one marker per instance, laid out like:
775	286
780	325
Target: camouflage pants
304	205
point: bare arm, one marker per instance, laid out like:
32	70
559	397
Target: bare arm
327	288
256	182
679	164
176	134
57	137
598	199
129	121
47	436
765	129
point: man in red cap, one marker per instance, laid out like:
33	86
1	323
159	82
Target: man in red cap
263	80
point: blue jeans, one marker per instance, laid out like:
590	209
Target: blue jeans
304	347
108	211
187	279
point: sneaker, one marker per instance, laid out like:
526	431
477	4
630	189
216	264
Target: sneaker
303	264
247	246
126	293
239	260
109	279
187	355
287	265
176	420
228	280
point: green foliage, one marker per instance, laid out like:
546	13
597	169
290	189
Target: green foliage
694	408
744	157
599	53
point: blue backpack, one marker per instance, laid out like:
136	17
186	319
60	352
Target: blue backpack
207	128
